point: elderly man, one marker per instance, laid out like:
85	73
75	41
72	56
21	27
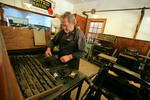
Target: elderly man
71	41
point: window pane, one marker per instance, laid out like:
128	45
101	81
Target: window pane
94	30
91	24
96	25
99	30
90	30
100	25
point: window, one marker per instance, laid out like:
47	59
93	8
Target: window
17	17
95	27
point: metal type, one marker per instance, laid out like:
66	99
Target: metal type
33	79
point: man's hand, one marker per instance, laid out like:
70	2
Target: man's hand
48	52
66	58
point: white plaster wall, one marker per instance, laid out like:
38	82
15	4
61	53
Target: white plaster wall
144	31
120	23
63	6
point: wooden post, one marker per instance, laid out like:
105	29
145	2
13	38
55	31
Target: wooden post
139	24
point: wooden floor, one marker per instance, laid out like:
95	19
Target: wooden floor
88	69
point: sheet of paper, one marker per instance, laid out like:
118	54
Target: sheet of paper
39	37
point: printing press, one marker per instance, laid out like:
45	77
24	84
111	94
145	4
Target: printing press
116	82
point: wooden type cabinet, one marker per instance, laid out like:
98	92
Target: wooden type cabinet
14	87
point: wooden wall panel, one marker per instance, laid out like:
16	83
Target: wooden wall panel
140	45
81	21
17	38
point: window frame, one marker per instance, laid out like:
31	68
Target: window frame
95	20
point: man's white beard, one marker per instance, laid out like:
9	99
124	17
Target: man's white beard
66	31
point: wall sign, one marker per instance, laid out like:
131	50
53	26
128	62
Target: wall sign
44	6
41	4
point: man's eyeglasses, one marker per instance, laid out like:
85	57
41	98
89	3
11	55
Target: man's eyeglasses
65	25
